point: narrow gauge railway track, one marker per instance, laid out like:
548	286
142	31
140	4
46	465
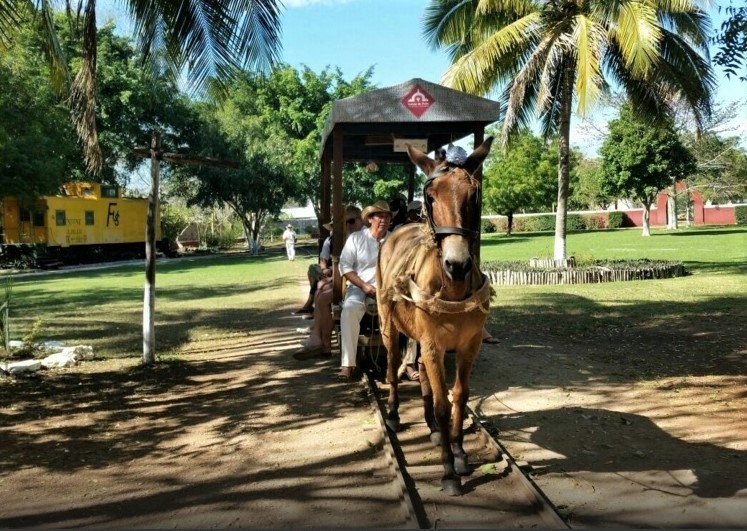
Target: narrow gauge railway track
497	494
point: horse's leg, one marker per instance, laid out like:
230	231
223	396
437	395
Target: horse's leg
427	393
390	338
459	397
433	359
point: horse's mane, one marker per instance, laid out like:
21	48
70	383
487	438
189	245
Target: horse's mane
418	256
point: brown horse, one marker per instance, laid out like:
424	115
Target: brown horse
431	289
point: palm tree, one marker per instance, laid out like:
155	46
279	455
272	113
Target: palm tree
206	41
540	55
199	40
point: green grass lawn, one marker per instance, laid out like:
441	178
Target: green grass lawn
714	249
221	296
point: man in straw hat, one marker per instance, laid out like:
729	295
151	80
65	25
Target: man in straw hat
290	242
358	265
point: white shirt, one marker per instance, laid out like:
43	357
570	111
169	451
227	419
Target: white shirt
289	236
360	255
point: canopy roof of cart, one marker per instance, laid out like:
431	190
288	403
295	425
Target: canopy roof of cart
376	124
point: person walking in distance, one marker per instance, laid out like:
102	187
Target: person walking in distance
290	242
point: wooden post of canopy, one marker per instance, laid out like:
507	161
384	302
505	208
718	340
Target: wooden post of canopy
338	230
479	138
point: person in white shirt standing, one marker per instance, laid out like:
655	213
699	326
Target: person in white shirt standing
290	242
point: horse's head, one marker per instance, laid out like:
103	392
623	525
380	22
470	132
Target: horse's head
452	204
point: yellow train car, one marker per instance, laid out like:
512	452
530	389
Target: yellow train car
82	219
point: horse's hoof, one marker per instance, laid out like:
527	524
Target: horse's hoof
392	424
452	486
461	466
436	438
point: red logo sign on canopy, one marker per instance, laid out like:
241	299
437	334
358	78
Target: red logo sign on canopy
417	101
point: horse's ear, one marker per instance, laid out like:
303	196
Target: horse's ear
478	155
421	160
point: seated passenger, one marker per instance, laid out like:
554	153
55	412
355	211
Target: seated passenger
358	265
319	342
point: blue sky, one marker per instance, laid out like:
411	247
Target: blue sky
387	35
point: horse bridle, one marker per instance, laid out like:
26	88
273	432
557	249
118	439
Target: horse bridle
440	232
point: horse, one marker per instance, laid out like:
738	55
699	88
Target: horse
430	288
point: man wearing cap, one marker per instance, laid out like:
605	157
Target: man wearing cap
358	265
414	212
290	242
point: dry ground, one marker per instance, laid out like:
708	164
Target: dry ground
235	433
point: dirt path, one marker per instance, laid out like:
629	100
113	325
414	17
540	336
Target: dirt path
236	433
609	452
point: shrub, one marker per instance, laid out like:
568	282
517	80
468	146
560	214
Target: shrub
594	221
487	226
740	214
615	220
574	222
533	224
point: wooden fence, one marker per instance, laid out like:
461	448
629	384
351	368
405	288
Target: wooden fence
586	275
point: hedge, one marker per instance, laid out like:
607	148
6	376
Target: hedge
740	213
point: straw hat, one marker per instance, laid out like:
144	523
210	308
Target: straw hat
377	207
289	226
351	211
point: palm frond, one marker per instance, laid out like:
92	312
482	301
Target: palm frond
449	24
638	33
58	66
83	95
10	18
477	71
693	25
203	39
687	76
523	94
589	41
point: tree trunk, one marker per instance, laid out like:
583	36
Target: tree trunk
646	220
149	299
509	223
564	163
672	207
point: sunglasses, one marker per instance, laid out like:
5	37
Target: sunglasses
350	221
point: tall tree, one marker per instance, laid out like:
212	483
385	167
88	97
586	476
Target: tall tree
192	39
640	159
520	179
541	55
256	189
36	149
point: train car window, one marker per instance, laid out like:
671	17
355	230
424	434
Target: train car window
89	217
108	191
24	215
38	218
59	216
